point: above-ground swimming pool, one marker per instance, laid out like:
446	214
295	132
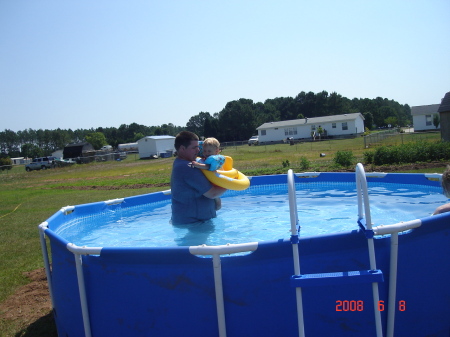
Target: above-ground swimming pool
119	268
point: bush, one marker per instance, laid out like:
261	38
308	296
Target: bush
344	158
305	164
5	164
409	153
286	163
368	157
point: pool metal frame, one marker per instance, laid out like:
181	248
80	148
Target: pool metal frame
297	280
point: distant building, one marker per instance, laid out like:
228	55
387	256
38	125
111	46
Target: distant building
20	161
444	113
78	150
159	146
58	154
128	147
423	116
337	126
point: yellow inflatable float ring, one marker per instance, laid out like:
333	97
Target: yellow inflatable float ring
228	177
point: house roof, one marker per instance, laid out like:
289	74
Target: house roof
82	144
424	109
309	121
445	104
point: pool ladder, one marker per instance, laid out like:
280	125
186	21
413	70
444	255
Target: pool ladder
373	275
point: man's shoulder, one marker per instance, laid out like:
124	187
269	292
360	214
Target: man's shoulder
178	162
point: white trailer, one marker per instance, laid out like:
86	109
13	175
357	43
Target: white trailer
128	147
160	146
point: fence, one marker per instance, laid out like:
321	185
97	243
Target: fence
399	136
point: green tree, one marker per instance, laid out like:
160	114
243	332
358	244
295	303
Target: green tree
306	103
138	136
391	120
405	115
31	151
9	142
368	120
59	139
158	131
237	120
319	132
265	112
96	139
436	120
196	123
321	105
169	129
382	114
211	128
335	105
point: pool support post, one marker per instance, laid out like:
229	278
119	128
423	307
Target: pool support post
295	230
393	230
42	227
363	197
217	267
78	252
216	251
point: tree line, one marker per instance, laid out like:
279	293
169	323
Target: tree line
237	121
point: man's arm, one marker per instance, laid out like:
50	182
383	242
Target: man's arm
214	192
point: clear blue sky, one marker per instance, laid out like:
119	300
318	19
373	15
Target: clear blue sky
91	63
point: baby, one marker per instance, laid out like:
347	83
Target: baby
211	160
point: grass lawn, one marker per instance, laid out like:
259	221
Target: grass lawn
29	198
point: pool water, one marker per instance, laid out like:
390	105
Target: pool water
259	213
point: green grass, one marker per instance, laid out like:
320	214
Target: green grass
29	198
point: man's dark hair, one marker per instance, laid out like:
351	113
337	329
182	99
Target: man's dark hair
184	138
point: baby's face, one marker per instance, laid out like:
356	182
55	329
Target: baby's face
210	150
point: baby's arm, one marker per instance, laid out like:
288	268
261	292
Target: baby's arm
442	209
201	166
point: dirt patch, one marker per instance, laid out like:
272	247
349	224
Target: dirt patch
30	307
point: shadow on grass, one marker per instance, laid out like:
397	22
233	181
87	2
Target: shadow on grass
43	327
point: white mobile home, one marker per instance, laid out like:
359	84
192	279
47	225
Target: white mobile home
20	161
348	125
161	146
423	116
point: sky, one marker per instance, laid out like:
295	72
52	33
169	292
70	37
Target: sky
103	63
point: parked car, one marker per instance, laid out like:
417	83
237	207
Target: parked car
253	141
41	163
65	162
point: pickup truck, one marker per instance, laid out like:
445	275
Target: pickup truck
41	163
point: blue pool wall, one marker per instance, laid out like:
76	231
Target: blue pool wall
170	292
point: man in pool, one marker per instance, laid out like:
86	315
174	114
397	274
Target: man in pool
192	194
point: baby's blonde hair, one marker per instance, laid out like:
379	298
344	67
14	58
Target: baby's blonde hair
445	182
211	141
